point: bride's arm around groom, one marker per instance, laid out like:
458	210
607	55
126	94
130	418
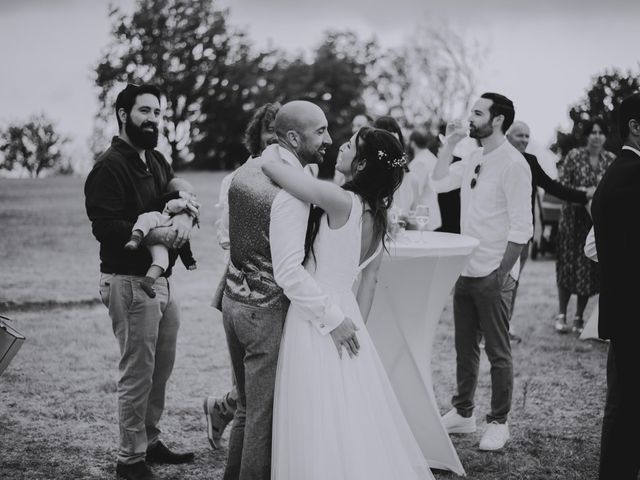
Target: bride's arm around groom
287	234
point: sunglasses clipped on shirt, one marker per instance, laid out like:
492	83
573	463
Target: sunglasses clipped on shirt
476	172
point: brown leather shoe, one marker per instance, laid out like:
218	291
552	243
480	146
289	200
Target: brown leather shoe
134	471
159	453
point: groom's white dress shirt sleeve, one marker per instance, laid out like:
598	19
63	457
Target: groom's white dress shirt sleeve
287	233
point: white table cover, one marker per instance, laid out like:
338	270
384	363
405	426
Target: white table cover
415	281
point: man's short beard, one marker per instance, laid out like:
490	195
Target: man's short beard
310	156
318	158
140	138
481	132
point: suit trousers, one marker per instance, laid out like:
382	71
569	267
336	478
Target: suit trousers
619	448
146	330
481	308
253	335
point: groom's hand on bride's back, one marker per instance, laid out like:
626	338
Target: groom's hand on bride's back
344	335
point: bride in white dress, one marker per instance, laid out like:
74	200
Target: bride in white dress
336	416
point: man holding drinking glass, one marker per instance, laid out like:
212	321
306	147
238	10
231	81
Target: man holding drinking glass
495	208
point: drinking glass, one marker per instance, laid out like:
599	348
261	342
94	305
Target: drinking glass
422	218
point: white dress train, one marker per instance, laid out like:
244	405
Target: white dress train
338	418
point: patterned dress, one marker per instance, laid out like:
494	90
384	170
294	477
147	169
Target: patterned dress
574	271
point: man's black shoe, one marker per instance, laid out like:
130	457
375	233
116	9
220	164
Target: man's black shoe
135	471
159	453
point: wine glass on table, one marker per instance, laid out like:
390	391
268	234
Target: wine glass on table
422	219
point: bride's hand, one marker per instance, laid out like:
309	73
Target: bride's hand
345	335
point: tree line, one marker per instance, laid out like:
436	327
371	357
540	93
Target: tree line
213	78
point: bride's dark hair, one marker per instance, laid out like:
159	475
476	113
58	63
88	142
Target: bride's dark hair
378	170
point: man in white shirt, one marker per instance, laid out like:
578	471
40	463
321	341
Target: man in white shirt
267	228
495	195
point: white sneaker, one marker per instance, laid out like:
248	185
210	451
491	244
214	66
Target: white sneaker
455	423
495	436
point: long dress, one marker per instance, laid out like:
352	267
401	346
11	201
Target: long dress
574	271
338	418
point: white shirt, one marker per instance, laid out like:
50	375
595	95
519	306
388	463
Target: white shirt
287	233
422	165
407	193
634	150
222	225
497	210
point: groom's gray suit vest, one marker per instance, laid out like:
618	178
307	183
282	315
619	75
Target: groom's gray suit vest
250	276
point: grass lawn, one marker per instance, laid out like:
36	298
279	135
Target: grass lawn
57	398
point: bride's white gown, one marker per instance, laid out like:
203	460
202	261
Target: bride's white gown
338	418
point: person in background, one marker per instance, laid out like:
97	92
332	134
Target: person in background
259	134
359	121
128	179
389	124
406	196
422	164
495	183
575	273
518	135
616	214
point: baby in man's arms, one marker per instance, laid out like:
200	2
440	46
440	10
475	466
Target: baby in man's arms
178	201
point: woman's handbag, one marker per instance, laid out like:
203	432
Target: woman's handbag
10	342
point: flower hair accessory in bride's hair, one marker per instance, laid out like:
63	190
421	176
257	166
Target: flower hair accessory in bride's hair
393	162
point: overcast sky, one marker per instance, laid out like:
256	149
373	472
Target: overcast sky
542	53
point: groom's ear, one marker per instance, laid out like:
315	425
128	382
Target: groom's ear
293	138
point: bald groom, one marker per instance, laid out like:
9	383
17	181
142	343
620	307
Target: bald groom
267	229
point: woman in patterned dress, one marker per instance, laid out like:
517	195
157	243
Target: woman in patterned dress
575	273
